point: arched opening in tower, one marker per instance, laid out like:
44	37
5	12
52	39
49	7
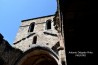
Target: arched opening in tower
34	40
31	27
48	24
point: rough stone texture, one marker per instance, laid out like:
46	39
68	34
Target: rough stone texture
58	24
39	27
8	54
44	36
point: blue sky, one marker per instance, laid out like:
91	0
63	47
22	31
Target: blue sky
12	12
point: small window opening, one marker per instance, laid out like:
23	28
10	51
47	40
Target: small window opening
31	28
34	39
48	24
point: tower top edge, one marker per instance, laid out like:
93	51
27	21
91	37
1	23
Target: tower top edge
37	18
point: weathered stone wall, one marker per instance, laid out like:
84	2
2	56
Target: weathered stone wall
8	54
40	25
50	38
44	37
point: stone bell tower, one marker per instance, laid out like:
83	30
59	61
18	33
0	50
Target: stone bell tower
37	31
40	42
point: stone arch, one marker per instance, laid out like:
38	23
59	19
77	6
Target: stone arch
38	56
